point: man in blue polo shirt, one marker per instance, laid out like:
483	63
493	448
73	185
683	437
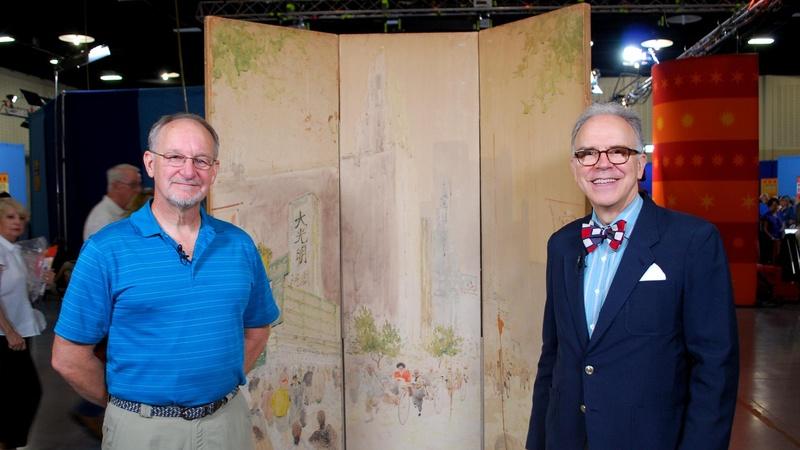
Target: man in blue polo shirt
184	301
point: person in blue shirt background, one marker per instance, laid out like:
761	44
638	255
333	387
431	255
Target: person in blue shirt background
787	212
184	300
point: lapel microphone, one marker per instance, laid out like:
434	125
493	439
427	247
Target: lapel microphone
184	258
579	264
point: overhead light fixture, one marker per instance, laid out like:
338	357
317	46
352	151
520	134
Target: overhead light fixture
12	98
169	75
657	44
76	39
111	76
761	40
649	148
187	30
683	19
4	38
54	61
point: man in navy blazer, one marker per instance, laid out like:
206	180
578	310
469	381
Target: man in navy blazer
639	343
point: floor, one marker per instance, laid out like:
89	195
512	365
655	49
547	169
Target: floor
767	415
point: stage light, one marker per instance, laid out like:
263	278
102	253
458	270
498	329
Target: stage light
4	38
484	22
98	52
12	98
54	61
649	148
632	56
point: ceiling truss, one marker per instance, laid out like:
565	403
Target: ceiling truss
267	11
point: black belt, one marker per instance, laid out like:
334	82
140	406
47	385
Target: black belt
185	412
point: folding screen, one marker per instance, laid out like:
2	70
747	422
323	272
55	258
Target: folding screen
534	77
272	94
430	163
410	240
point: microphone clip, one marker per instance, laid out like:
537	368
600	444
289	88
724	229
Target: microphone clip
184	258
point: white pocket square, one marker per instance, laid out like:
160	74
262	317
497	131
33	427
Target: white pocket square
653	273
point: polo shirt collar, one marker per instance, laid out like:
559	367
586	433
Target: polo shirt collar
145	222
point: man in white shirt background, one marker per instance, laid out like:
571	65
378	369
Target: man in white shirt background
124	183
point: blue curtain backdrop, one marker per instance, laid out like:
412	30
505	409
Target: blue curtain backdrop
100	129
42	137
788	171
12	163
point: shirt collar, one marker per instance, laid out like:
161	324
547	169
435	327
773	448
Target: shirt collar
144	221
629	215
113	205
4	243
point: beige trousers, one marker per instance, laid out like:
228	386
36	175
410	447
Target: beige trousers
228	428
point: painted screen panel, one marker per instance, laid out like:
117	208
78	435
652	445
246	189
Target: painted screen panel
272	94
410	240
534	78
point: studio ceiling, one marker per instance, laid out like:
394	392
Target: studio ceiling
143	44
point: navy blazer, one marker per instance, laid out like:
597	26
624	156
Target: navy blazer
662	366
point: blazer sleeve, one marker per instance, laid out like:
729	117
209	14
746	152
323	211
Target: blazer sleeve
709	320
544	374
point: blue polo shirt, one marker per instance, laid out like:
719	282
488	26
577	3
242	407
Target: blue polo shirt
175	327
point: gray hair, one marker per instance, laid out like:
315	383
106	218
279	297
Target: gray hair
155	130
610	109
117	173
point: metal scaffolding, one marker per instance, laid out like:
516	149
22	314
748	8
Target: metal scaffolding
267	11
708	43
281	11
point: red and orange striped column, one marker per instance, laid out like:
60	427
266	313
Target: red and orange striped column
705	162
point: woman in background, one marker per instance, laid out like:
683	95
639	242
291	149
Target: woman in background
19	382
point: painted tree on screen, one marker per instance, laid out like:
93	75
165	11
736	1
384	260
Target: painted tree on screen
369	339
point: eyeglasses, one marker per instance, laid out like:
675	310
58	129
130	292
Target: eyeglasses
616	155
200	163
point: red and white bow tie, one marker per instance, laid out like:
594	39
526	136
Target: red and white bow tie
593	235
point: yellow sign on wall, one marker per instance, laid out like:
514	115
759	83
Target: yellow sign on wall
769	186
3	181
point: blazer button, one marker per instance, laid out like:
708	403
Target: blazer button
583	409
589	370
